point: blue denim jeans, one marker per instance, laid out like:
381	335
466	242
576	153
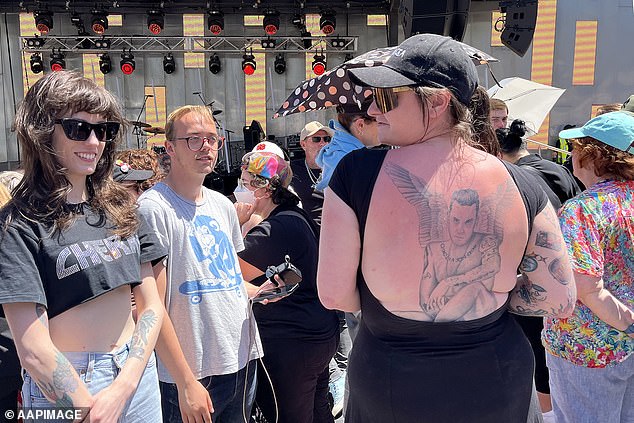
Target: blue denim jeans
232	396
98	371
590	395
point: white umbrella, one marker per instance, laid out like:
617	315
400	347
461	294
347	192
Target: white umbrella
526	100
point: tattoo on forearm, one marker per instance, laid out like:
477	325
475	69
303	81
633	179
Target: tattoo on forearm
547	240
63	383
139	341
40	310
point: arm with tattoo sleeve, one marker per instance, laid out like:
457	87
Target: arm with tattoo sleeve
48	367
546	286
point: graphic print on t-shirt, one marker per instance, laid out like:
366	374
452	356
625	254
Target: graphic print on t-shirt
98	251
214	249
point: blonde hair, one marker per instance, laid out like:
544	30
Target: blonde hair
497	104
5	195
202	111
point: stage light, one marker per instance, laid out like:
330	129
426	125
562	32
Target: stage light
299	21
57	61
214	64
328	22
248	64
308	42
105	64
155	21
338	43
280	64
102	43
268	43
215	21
99	21
271	22
76	20
37	65
35	42
127	63
319	64
43	21
169	65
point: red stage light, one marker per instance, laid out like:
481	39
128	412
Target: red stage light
319	64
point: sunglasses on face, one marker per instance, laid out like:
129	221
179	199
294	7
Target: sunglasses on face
316	140
79	130
387	98
196	143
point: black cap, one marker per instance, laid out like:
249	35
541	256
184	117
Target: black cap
123	172
428	60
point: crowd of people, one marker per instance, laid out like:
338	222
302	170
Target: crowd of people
446	273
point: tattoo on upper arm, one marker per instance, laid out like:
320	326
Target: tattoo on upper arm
40	310
548	240
557	269
139	340
63	383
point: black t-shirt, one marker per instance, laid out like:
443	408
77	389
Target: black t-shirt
558	178
63	270
354	178
300	315
312	200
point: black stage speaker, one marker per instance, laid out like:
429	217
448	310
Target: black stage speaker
442	17
253	134
519	27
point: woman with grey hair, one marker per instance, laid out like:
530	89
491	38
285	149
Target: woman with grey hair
69	256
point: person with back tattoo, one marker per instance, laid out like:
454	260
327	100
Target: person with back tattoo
436	342
69	256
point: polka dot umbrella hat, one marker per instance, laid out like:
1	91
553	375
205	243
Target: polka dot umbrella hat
335	88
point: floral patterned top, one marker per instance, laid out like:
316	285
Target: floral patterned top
598	226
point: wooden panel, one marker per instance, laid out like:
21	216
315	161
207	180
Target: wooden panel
585	53
255	92
194	26
91	69
377	20
155	113
496	41
543	51
27	28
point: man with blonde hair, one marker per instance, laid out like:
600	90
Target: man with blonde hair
209	338
499	113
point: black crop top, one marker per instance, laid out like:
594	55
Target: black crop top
63	270
354	178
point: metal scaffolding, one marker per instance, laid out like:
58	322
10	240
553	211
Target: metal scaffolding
191	44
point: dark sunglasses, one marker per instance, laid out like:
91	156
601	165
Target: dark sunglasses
79	130
387	98
326	138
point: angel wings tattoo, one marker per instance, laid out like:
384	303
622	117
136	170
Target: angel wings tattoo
460	243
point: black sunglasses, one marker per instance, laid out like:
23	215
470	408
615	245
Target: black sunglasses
79	130
326	138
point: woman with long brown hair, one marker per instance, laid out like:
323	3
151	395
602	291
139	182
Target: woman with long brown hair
69	255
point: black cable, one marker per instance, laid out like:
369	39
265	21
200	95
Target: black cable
6	28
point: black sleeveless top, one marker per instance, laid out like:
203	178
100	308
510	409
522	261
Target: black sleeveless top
404	370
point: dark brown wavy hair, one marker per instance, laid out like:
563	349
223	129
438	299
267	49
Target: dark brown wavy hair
41	195
607	159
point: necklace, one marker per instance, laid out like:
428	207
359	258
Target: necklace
312	177
448	257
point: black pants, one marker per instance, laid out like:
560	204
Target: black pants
299	374
532	327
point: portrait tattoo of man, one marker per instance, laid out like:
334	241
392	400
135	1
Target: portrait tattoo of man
461	248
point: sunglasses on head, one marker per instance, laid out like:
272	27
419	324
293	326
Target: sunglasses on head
387	98
79	130
317	139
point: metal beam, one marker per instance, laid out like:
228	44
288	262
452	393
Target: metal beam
237	45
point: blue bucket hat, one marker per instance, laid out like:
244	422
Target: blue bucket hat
615	129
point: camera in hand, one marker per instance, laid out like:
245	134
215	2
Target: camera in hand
290	275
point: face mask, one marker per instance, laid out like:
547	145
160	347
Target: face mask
243	195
